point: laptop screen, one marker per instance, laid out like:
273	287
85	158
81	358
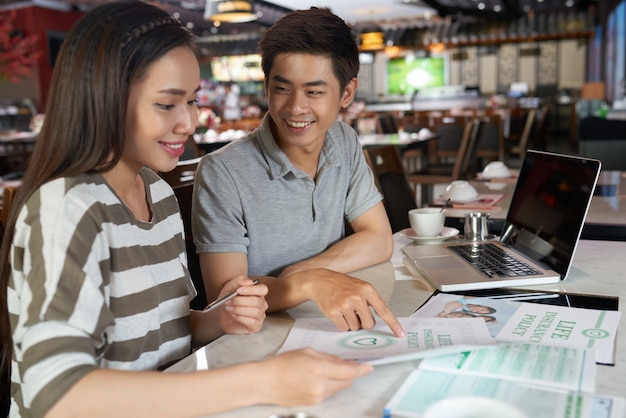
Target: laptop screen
549	206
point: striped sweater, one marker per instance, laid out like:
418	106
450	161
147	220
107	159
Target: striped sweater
93	287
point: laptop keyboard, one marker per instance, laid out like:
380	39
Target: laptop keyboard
493	261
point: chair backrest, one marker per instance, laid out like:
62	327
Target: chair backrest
192	150
540	130
183	173
184	194
392	182
449	130
515	123
386	123
366	123
182	179
491	138
465	162
526	133
7	200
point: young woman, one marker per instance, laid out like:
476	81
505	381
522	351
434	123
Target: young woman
95	277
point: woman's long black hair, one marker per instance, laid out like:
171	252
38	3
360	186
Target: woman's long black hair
85	119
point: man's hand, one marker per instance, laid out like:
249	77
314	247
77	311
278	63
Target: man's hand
346	301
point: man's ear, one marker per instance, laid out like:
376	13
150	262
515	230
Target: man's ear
348	93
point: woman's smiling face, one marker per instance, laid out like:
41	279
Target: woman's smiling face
162	111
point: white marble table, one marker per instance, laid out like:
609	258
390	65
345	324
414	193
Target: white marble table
598	269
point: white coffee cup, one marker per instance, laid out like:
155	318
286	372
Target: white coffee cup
427	222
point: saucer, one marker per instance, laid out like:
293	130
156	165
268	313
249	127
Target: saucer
468	200
446	233
488	237
491	185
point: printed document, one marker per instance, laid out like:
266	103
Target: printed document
381	345
424	388
537	380
541	323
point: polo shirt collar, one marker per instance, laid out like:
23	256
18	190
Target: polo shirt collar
278	162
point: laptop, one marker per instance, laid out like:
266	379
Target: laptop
539	238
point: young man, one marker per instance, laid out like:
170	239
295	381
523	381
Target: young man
274	203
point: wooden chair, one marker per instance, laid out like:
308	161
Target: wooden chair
7	200
408	123
518	148
540	129
413	155
8	195
183	173
450	131
192	150
490	146
184	194
390	177
386	123
182	180
412	158
461	169
366	123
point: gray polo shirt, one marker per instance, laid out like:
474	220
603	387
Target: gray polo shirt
249	198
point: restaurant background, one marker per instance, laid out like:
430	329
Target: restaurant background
560	57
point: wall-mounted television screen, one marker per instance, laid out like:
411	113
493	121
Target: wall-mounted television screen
405	75
237	68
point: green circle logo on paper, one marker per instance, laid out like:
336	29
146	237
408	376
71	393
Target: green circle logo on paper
366	341
596	333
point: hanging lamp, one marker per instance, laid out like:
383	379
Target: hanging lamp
230	11
372	39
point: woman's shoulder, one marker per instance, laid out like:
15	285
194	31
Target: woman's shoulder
64	202
75	192
72	187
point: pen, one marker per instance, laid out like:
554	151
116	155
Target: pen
224	299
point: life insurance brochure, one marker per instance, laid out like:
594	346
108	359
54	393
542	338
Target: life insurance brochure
540	323
541	381
424	337
423	388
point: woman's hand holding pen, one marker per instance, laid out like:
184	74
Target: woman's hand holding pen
244	313
239	309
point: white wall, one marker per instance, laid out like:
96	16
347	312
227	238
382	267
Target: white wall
488	73
572	56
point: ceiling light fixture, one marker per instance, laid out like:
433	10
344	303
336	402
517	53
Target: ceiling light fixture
231	11
437	48
372	40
